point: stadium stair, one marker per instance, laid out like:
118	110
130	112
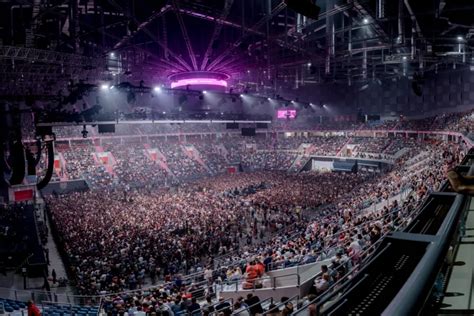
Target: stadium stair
223	152
160	158
61	171
191	151
296	165
339	152
109	166
400	153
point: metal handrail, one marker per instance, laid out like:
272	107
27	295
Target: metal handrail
216	312
248	308
277	306
354	268
261	279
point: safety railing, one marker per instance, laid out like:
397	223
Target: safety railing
332	290
248	309
261	283
229	306
277	307
339	284
49	296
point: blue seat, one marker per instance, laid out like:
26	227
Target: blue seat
9	309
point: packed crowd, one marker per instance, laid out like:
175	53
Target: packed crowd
115	239
129	163
234	216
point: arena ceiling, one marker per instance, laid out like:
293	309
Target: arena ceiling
262	45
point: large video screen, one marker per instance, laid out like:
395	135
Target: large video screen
286	114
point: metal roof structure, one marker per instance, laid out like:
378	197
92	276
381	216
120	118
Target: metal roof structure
47	43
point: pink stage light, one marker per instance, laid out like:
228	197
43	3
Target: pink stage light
198	81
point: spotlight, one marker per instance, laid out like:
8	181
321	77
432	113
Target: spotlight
460	38
204	92
241	95
366	21
157	89
111	87
309	64
164	112
292	101
84	132
104	86
112	54
269	99
404	57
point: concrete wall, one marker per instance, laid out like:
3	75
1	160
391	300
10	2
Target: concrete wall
65	187
284	283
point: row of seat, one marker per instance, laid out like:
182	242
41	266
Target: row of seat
8	306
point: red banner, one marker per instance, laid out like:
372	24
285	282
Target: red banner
23	195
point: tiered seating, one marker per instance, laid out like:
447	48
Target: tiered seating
11	306
18	308
69	310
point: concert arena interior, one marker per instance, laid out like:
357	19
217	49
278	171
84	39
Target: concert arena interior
236	157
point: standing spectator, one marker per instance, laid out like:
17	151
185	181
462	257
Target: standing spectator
33	310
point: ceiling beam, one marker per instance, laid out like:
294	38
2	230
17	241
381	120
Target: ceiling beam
256	26
413	19
216	33
126	38
151	35
186	38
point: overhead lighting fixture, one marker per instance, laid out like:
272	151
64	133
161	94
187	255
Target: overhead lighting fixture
198	81
460	38
112	54
366	21
404	57
111	87
309	64
157	89
104	86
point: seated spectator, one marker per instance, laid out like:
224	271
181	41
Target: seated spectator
322	284
223	306
253	302
240	310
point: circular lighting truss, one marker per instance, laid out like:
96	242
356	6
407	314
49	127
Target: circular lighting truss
199	80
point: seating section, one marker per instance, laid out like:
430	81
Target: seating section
18	308
69	310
